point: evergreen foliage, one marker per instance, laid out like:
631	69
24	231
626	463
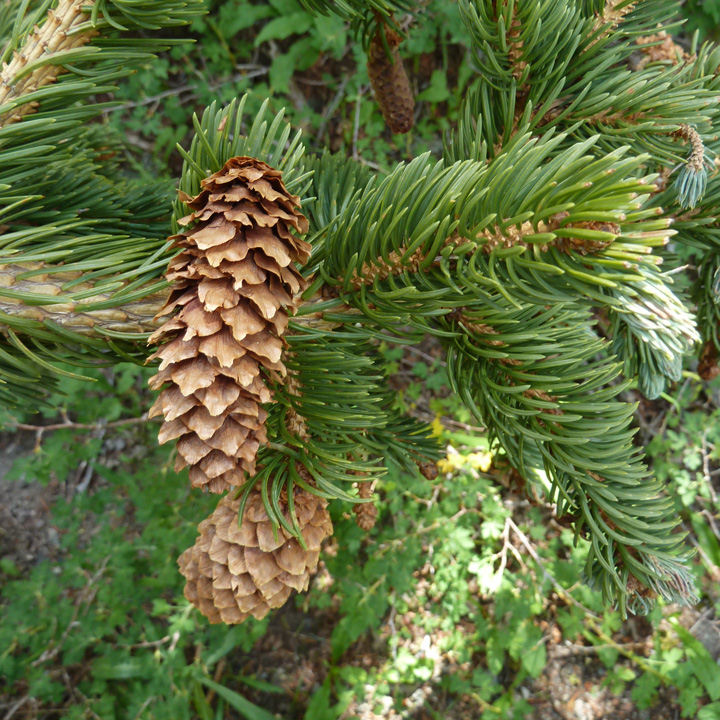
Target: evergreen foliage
540	250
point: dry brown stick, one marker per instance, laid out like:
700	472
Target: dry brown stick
561	591
80	426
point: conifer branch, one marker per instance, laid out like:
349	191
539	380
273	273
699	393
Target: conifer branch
65	29
33	291
515	49
610	17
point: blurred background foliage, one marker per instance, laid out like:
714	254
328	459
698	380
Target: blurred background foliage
465	600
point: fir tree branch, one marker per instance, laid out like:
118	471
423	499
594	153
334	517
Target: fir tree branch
611	16
65	29
46	294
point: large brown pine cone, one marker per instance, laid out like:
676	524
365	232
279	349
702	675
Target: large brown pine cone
233	572
234	284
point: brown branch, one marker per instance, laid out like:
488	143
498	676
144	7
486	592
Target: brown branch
70	425
61	31
40	297
296	423
48	287
515	49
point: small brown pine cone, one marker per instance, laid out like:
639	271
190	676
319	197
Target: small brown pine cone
708	366
234	571
365	513
428	470
234	285
390	81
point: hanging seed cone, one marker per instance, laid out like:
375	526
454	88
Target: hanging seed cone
390	81
365	513
234	285
233	572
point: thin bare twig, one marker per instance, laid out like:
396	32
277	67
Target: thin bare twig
564	594
330	109
706	467
570	649
86	597
190	88
11	712
70	425
356	125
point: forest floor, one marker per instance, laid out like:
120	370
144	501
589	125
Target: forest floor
291	660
